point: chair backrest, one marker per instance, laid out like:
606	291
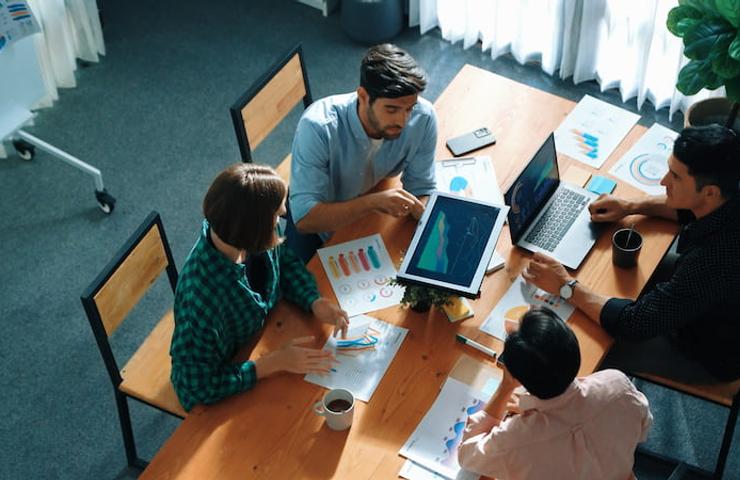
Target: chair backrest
269	100
124	281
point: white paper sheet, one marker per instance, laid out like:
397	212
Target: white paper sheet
435	441
471	177
592	130
413	471
647	161
516	301
359	272
360	369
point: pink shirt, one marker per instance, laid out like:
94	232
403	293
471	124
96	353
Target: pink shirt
589	431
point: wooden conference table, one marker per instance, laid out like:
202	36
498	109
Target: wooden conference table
271	432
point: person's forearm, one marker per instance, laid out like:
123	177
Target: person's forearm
588	302
654	206
327	217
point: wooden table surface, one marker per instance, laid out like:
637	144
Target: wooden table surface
270	432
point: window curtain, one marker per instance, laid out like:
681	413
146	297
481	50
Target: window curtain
620	44
70	29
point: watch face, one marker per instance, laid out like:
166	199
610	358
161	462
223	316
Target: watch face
566	291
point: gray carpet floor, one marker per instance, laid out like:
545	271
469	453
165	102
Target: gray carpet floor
153	116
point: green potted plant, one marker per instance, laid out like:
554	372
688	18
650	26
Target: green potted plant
420	298
710	30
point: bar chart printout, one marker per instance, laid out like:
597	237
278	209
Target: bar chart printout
592	130
359	272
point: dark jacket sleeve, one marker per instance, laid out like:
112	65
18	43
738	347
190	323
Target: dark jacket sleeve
698	284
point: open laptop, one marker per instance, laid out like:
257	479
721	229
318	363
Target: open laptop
548	215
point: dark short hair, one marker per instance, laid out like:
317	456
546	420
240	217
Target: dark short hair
390	72
241	204
712	154
543	354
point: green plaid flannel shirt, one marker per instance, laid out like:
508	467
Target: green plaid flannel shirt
216	313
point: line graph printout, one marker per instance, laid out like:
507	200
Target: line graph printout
364	356
359	272
471	177
516	302
645	164
435	442
592	130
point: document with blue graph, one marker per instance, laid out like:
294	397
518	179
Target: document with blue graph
364	356
592	130
16	21
435	442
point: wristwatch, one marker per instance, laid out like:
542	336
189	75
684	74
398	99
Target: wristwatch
566	291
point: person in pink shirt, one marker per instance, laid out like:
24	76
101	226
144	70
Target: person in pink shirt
543	422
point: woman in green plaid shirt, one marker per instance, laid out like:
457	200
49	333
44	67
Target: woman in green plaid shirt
236	272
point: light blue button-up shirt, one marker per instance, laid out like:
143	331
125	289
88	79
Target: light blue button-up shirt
334	160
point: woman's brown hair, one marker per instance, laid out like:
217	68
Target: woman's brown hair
241	204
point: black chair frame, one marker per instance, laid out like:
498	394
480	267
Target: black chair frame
255	88
153	220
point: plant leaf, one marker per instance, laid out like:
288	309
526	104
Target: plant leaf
680	19
732	89
730	11
725	66
707	7
734	49
695	76
700	39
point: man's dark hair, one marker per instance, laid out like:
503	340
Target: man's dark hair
712	154
241	204
390	72
543	354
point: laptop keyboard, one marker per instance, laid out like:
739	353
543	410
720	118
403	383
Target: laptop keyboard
557	219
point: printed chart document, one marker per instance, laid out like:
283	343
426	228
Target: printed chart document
435	442
592	130
359	272
364	356
647	161
471	177
16	21
515	303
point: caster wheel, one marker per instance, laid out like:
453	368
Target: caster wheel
106	202
24	149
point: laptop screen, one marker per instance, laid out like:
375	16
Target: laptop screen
532	188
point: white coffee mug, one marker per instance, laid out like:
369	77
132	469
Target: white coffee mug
338	407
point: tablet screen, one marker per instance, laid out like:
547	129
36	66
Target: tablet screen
453	241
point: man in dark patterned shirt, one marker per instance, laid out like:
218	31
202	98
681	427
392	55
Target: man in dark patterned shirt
689	325
237	271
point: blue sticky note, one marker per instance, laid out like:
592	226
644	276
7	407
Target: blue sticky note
599	184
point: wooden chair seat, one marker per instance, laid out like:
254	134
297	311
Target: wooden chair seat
720	393
146	375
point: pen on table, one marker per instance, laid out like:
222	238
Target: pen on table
482	348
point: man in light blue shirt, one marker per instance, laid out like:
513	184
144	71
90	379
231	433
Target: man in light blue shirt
346	144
